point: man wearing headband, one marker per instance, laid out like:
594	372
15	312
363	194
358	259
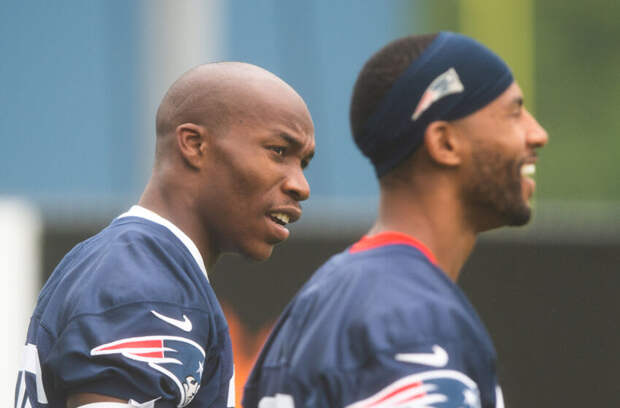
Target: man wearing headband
383	324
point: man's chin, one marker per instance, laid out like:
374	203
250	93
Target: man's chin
258	253
520	216
506	217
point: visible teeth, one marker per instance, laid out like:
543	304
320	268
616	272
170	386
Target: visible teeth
528	169
283	218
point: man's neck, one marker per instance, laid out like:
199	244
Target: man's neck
179	212
435	221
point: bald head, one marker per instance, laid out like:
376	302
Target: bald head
212	95
232	143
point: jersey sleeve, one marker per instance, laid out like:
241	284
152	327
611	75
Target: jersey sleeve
431	375
142	351
422	357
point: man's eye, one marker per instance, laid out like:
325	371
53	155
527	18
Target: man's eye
279	150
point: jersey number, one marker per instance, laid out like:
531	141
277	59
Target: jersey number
33	367
277	401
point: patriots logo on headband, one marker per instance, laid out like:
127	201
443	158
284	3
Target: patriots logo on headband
178	358
445	84
431	389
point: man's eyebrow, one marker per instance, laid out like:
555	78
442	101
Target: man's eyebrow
293	141
290	139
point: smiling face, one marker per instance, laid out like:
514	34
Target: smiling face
254	180
502	138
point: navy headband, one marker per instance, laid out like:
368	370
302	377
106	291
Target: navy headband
454	77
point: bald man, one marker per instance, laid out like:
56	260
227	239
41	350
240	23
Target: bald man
128	318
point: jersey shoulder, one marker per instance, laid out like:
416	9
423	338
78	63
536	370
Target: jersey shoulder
129	313
410	300
130	261
398	295
360	304
360	310
365	320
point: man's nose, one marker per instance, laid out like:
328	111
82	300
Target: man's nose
297	186
537	136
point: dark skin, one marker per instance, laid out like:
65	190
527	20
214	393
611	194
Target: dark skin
232	143
464	180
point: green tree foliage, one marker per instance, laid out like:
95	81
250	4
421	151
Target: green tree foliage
578	98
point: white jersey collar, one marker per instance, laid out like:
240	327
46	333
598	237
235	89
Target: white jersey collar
139	211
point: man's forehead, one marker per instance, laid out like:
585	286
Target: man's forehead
276	104
513	95
511	98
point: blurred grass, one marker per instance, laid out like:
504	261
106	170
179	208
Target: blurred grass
578	98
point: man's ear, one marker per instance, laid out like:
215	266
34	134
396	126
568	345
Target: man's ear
443	143
192	142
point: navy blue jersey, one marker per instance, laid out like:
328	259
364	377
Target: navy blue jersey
129	313
379	325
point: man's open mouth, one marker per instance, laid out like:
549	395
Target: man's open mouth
280	218
528	169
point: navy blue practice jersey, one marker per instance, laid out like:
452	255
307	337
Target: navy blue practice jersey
379	325
129	313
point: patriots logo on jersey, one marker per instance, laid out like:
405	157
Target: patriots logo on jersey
178	358
431	389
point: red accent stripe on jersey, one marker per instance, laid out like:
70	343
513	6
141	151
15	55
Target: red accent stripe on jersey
393	393
155	354
135	344
423	394
391	238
